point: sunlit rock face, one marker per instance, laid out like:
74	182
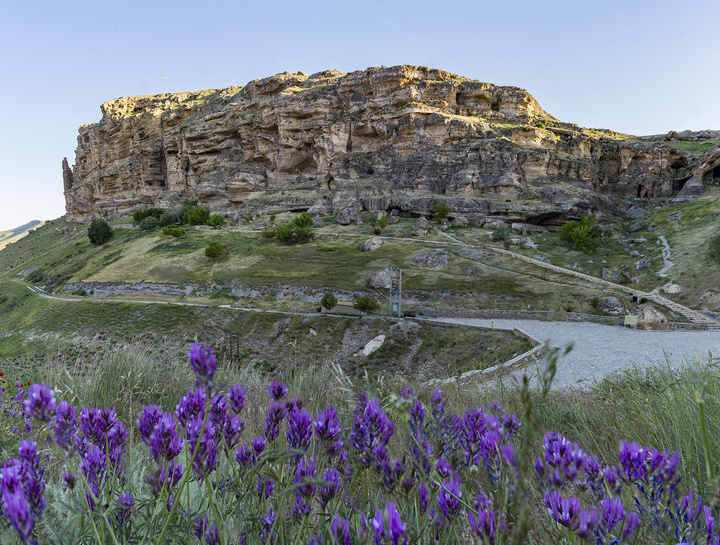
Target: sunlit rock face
399	138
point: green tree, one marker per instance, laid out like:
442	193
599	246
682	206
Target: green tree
329	301
215	250
173	230
140	215
196	215
99	232
169	218
441	210
584	234
216	220
150	223
303	220
366	304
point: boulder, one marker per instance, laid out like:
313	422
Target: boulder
635	212
421	227
373	345
611	305
433	259
637	226
460	221
393	219
474	254
641	264
394	212
371	245
381	280
541	258
651	318
518	228
319	210
473	271
671	288
318	222
346	216
493	224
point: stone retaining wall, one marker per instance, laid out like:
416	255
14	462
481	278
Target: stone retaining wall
515	315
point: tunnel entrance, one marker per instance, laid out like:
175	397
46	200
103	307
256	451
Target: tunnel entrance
716	174
678	184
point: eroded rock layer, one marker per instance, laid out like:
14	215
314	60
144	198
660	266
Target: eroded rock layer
400	138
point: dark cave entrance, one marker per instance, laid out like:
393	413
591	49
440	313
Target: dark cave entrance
716	175
678	184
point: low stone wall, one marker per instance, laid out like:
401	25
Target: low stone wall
515	315
110	289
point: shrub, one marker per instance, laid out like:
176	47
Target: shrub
216	220
501	233
303	220
366	304
197	215
151	223
329	301
383	222
441	210
584	234
173	231
169	218
377	231
295	231
99	232
714	248
140	215
594	302
215	250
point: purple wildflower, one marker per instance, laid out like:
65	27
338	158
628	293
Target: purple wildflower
202	361
264	486
632	523
423	496
232	429
327	429
65	425
612	512
299	429
563	510
21	517
164	441
484	524
191	406
148	417
245	456
206	457
449	498
277	391
236	398
125	503
329	491
387	526
258	444
68	480
267	527
166	477
40	402
212	536
306	470
275	415
341	530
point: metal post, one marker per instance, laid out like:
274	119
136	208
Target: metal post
400	295
390	313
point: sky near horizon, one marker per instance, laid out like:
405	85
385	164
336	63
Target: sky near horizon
634	66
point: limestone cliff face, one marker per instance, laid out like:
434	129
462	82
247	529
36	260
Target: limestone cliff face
401	137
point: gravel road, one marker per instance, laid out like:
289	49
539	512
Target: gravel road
600	349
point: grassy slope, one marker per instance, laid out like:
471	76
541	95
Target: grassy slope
13	235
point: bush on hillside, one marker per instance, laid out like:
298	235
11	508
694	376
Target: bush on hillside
366	304
296	231
140	215
329	301
584	234
99	232
151	223
441	210
216	220
501	233
169	218
215	250
197	215
173	231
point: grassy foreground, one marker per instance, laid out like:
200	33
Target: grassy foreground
668	409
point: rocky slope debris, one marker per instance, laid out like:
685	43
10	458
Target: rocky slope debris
402	138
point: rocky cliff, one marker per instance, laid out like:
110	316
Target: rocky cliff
383	138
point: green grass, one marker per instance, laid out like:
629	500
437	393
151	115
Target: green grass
698	148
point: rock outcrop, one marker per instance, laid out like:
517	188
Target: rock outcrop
401	138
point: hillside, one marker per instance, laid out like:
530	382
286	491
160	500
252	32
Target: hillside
399	138
13	235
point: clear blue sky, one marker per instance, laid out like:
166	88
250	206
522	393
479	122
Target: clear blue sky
641	67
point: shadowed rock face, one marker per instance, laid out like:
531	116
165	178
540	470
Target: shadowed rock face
380	139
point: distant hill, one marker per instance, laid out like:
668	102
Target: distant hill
13	235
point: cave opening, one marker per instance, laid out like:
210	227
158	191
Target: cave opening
716	174
678	184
